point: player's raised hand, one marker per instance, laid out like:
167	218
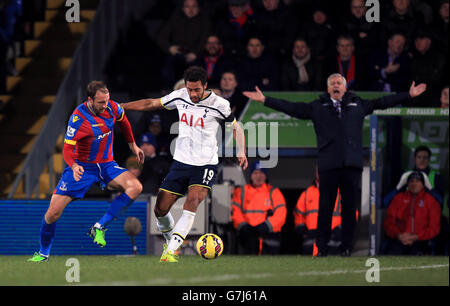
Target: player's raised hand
77	171
415	91
255	95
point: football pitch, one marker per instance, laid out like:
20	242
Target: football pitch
227	270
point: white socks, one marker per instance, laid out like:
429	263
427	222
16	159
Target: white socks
165	225
182	228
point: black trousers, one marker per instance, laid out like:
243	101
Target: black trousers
395	247
254	244
347	179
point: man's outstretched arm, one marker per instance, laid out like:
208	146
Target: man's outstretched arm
143	105
299	110
239	136
397	99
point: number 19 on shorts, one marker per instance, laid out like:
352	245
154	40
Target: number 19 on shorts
207	176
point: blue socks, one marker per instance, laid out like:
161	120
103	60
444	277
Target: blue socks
118	206
47	235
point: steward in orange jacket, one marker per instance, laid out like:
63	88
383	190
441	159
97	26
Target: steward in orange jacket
258	213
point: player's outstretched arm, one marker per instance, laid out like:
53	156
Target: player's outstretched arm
239	135
143	105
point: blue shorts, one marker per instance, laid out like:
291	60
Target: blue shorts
102	173
182	176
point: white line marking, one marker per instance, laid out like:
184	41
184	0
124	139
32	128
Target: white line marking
227	277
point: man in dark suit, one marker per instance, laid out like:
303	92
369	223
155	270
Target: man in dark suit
338	117
389	69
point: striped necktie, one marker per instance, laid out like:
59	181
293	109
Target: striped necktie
337	106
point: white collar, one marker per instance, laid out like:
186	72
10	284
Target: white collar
334	101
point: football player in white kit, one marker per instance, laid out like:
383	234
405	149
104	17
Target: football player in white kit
195	159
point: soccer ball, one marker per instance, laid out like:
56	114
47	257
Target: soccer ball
209	246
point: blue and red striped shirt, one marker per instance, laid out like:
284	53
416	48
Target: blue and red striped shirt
92	135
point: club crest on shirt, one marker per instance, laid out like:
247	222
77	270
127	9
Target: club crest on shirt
75	118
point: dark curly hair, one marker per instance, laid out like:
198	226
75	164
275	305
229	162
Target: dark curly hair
195	74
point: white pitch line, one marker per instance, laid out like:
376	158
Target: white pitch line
227	277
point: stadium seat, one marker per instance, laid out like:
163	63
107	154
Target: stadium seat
45	59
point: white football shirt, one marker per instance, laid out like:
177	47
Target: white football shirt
196	143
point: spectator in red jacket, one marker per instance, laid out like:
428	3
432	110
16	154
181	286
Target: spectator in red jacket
412	219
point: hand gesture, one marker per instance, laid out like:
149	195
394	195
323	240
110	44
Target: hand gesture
404	238
173	50
242	160
140	157
391	68
255	95
190	57
77	171
415	91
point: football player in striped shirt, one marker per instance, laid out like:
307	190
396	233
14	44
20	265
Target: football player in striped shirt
88	153
194	169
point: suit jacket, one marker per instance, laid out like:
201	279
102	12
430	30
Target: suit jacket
399	80
252	71
339	140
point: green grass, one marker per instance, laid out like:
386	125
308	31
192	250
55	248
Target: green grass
226	270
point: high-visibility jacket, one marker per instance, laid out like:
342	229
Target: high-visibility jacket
257	205
418	214
307	209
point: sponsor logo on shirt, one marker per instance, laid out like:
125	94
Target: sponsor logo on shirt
192	121
103	135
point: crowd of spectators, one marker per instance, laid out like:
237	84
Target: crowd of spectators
16	23
284	45
10	13
293	45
